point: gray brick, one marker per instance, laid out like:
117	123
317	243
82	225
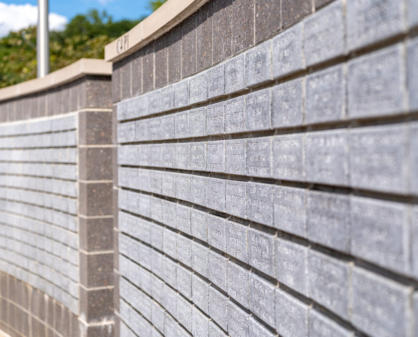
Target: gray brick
373	20
258	110
321	326
261	299
181	94
328	219
257	330
200	293
184	313
182	129
216	79
261	251
380	233
235	198
200	259
288	158
197	122
215	194
182	155
412	72
328	282
415	318
287	51
376	83
184	250
218	308
258	64
215	119
184	281
414	238
291	265
235	159
378	158
413	12
234	74
238	283
287	104
237	321
327	157
199	225
198	86
235	115
183	219
379	306
198	190
182	183
200	324
259	157
236	241
325	96
290	210
197	156
216	232
214	331
217	269
413	157
324	35
126	132
215	156
291	315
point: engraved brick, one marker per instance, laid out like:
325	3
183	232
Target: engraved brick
373	20
181	94
182	129
216	81
218	308
217	269
183	219
324	35
215	156
200	293
200	324
288	159
257	330
379	232
287	104
235	198
235	74
321	326
215	194
328	219
197	122
198	187
379	306
328	282
126	132
200	259
291	315
291	264
237	321
325	96
215	119
235	159
412	72
259	157
197	156
260	203
287	51
258	64
327	157
184	250
261	251
199	225
214	331
184	313
378	158
236	241
258	106
238	283
376	83
216	232
261	299
182	155
235	115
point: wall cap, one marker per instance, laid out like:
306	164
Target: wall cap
170	14
70	73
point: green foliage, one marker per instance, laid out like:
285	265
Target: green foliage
155	4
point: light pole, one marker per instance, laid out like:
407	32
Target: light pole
42	40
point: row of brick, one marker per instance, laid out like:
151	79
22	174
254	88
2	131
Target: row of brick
65	155
56	171
51	140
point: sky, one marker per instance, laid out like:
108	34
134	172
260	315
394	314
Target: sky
17	14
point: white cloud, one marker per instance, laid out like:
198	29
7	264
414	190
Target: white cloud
104	2
15	17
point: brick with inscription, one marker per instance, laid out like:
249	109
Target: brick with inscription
287	104
328	282
184	313
291	264
198	189
260	203
325	96
258	156
215	119
291	315
181	93
215	156
235	115
379	305
217	269
378	158
184	250
181	121
126	132
237	321
235	158
198	88
238	283
182	155
167	127
324	34
200	293
258	110
258	330
379	232
262	299
376	84
288	51
328	219
412	72
200	255
197	156
215	194
199	226
216	81
236	240
288	159
321	326
169	214
370	21
168	184
216	231
183	218
261	251
197	122
327	157
215	331
218	307
258	64
235	198
235	74
200	324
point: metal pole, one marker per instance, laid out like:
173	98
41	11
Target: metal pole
42	41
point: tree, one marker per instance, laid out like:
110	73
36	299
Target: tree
155	4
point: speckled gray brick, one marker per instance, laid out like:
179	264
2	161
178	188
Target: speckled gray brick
184	250
184	313
260	203
328	219
379	306
197	156
324	34
414	238
200	258
258	64
327	157
200	324
373	20
197	122
376	84
215	194
182	185
200	293
126	132
291	315
412	69
235	158
217	269
215	119
214	331
321	326
181	94
215	156
262	299
378	158
235	198
328	282
235	115
288	159
288	51
235	74
216	81
287	104
291	264
236	241
199	225
380	232
258	110
184	281
198	86
258	156
216	232
237	321
198	190
238	284
181	121
325	96
182	155
412	12
257	330
261	251
218	308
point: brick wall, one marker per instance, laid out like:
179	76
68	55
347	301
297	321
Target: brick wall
268	172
